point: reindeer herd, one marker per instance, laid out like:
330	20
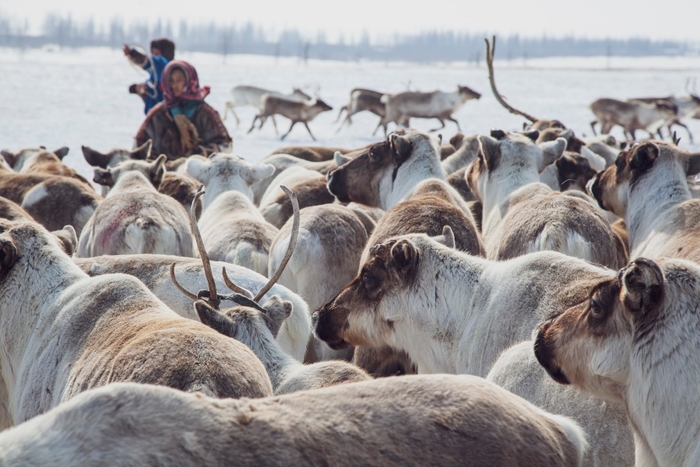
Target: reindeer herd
515	298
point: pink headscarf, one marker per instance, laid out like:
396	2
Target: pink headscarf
192	90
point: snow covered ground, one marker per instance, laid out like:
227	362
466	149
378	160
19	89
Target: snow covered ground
79	97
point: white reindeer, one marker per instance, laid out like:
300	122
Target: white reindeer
410	421
634	340
135	218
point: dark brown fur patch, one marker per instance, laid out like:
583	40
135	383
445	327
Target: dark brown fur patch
182	189
311	192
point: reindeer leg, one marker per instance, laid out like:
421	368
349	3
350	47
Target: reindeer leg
450	118
593	127
378	125
342	124
290	130
274	123
345	107
309	130
440	128
226	107
253	125
679	123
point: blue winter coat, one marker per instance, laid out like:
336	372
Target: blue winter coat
154	96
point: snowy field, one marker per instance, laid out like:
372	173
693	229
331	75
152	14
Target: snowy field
79	97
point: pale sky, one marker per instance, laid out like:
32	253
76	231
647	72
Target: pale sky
666	19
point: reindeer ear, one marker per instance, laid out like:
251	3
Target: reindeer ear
157	170
215	319
8	256
642	284
10	157
457	139
103	177
489	151
403	256
401	147
143	152
693	164
257	172
67	238
447	238
551	151
195	169
533	135
644	156
340	159
95	158
277	311
61	152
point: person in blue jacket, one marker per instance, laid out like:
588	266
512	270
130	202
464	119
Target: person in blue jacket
162	52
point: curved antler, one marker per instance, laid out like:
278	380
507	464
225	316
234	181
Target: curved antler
229	283
490	50
213	296
290	249
186	292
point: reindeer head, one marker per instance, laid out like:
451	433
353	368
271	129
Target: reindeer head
240	322
20	159
514	157
153	171
365	178
116	156
468	93
591	344
365	311
657	163
223	172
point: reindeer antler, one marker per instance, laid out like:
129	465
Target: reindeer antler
210	295
676	139
490	51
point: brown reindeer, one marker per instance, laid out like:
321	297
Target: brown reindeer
297	112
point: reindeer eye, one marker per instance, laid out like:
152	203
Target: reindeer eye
595	309
372	154
368	280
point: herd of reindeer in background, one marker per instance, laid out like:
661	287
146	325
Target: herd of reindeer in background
215	311
649	114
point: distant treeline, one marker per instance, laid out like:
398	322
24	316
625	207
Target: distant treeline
252	39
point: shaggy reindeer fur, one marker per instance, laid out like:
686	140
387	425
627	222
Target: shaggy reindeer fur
62	332
605	422
235	232
635	340
450	311
41	161
53	201
310	192
154	272
226	172
12	211
410	421
329	247
386	172
288	177
257	330
521	215
135	218
647	187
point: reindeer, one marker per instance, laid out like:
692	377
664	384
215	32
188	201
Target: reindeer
686	107
410	421
331	240
311	192
85	332
134	217
437	104
632	116
115	156
386	172
297	112
647	187
225	172
51	200
251	95
521	215
605	422
624	341
366	99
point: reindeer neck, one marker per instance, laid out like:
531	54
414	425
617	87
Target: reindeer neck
277	363
649	200
499	198
429	322
131	181
402	180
